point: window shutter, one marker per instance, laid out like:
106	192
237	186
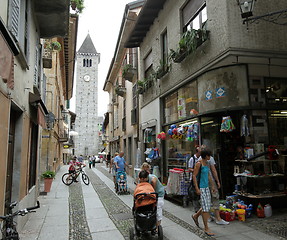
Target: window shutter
14	18
26	34
190	9
148	61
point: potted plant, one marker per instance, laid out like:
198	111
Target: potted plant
128	72
119	90
55	45
187	44
77	5
140	87
48	177
162	69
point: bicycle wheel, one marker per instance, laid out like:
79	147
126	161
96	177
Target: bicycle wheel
85	179
67	180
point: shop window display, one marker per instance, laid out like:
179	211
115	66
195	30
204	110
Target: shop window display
276	91
180	141
181	104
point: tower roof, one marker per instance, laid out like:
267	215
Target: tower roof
88	46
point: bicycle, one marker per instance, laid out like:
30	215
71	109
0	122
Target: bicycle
69	178
9	231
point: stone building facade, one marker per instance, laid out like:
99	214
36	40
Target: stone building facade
235	71
22	94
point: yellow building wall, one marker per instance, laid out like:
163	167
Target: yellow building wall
4	133
25	157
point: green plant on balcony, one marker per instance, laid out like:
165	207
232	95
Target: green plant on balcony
188	43
55	45
128	72
162	69
77	5
140	87
149	81
121	91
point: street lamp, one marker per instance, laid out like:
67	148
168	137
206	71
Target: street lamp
246	8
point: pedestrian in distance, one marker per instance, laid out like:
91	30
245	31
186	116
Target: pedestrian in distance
202	169
108	162
94	161
90	161
113	168
81	158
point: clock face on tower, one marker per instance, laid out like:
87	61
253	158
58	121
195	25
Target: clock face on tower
87	78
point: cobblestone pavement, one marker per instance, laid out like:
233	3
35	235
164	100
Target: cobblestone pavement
275	225
121	214
79	229
113	205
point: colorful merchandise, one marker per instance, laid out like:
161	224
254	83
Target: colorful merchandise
227	124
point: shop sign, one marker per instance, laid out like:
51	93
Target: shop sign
220	92
208	95
45	136
66	146
223	88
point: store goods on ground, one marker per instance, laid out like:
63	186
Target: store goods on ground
236	209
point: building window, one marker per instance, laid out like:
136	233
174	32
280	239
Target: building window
194	15
134	96
181	104
87	62
124	108
148	64
18	23
164	49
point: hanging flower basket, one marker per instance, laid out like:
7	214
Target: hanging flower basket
129	72
121	91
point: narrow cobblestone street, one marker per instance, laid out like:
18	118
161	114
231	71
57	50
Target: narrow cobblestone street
96	212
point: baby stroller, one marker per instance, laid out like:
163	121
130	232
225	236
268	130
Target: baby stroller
121	183
144	212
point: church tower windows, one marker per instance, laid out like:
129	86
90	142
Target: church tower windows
87	62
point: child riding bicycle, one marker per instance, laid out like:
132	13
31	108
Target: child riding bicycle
74	165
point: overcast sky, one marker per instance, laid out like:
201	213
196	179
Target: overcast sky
102	19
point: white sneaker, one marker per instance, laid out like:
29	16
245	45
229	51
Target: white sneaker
222	222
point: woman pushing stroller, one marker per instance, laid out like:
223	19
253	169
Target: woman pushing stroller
145	208
159	189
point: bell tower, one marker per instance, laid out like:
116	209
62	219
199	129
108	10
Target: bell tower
87	119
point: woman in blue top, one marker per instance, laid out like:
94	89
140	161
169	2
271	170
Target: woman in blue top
203	189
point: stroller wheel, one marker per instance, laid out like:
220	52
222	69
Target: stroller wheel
159	233
132	233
